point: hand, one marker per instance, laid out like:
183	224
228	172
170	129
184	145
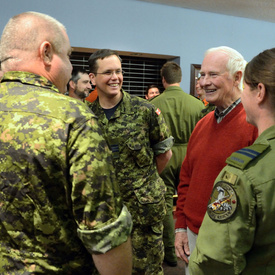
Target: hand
182	246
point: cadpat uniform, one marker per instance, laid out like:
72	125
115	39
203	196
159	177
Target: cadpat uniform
136	132
239	237
56	182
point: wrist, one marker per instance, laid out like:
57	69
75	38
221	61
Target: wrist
177	230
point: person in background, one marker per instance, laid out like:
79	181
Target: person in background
141	147
237	234
151	91
181	112
79	85
201	94
214	138
61	211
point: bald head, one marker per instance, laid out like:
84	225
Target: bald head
37	43
24	33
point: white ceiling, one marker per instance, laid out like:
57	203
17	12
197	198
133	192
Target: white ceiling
254	9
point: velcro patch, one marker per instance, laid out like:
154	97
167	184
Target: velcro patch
223	202
229	177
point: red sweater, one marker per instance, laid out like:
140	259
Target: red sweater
209	146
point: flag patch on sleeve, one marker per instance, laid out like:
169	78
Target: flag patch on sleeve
158	111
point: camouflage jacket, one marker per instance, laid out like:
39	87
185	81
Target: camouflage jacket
136	133
58	193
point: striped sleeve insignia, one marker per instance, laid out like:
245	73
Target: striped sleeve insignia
158	111
242	157
223	202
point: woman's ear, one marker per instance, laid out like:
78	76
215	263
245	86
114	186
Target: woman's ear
261	96
46	52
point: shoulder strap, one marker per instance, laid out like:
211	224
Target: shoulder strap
242	157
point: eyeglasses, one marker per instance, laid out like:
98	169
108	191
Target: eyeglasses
110	73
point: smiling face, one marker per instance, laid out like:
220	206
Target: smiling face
108	78
216	80
152	92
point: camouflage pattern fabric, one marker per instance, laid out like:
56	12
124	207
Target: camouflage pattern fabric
134	133
59	197
148	238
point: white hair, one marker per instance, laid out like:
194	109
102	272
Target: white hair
236	61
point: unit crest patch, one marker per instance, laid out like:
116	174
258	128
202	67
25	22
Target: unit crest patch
223	202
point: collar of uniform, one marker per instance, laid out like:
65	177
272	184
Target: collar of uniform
125	105
29	78
266	135
221	115
173	88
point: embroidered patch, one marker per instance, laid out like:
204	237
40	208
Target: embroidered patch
158	111
223	202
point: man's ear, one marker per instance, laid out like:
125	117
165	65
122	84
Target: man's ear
72	84
46	52
238	78
92	78
163	81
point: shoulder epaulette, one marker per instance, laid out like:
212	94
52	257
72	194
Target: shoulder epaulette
244	156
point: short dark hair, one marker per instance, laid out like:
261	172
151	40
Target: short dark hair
100	54
150	87
75	74
171	72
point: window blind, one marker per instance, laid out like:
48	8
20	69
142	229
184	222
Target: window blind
139	71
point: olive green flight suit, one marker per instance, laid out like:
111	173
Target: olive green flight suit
237	235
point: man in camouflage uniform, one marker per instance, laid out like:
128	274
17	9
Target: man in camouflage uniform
140	142
60	202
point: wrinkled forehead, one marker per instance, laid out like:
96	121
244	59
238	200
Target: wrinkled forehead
214	61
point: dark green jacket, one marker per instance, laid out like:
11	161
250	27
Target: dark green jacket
181	112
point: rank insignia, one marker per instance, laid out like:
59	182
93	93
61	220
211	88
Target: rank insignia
223	202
